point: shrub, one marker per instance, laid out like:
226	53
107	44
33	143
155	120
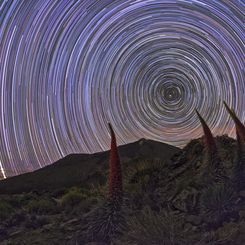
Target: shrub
5	210
73	197
106	223
34	222
42	206
218	203
153	228
143	172
16	219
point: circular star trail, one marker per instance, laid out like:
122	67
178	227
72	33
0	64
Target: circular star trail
69	67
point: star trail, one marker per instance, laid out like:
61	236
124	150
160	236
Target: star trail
67	68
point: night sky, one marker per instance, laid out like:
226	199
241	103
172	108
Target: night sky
67	68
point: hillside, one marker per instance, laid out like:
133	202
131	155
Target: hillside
83	169
176	201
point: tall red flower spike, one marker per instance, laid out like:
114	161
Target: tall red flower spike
115	181
209	139
239	168
240	128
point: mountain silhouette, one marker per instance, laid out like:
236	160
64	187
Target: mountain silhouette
84	169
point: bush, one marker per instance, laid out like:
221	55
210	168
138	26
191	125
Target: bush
218	204
33	222
5	210
42	206
16	219
143	172
153	228
73	197
106	223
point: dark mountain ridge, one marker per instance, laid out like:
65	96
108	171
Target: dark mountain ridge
83	169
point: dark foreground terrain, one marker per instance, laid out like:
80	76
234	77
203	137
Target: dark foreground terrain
171	196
